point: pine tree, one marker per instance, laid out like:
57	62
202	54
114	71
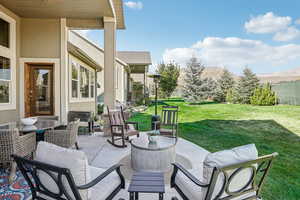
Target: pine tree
169	77
196	88
246	86
224	84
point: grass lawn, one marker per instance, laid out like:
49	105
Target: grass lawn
221	126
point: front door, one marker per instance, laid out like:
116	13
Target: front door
39	89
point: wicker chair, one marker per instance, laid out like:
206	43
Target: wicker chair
64	136
11	142
121	129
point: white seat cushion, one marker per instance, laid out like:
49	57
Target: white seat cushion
105	187
190	189
74	160
225	158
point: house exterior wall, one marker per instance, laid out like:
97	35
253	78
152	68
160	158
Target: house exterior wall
40	38
79	104
13	114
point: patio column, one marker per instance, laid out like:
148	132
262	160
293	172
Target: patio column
109	61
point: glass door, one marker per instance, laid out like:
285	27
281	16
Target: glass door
41	90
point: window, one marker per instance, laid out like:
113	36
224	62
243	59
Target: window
92	83
4	33
75	80
5	79
7	62
82	80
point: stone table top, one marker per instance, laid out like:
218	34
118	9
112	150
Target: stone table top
162	142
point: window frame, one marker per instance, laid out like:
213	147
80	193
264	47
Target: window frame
10	53
80	64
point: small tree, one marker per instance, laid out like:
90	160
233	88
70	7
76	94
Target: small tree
169	77
246	86
196	88
264	96
224	84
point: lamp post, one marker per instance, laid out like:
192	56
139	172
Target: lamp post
155	117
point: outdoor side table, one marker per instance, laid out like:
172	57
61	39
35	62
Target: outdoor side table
146	182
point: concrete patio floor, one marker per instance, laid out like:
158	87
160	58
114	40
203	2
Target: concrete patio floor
103	155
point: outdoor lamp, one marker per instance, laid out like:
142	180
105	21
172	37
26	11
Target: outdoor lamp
155	117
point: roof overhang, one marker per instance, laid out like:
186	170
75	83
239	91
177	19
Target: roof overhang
81	55
138	69
81	14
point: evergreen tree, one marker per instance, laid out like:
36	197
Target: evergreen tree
196	88
169	77
224	84
246	86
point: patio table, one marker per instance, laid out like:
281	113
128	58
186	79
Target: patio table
40	125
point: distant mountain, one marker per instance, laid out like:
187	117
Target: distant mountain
209	72
276	77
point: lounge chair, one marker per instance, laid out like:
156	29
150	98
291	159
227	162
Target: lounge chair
236	174
60	173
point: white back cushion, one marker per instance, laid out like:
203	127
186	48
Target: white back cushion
225	158
74	160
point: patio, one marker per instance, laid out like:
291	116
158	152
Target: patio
103	155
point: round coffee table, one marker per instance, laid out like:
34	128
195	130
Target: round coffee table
153	157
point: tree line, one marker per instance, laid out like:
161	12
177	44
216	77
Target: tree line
197	88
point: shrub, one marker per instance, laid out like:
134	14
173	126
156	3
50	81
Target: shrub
264	96
100	109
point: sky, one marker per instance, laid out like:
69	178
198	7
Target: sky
263	35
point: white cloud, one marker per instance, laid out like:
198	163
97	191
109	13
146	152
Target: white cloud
235	52
289	34
268	23
297	21
179	55
134	5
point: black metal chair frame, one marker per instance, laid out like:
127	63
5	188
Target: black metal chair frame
30	168
169	117
255	183
121	129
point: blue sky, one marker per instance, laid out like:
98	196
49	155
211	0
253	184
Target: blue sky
262	34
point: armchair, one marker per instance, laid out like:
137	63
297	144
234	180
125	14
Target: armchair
237	181
65	187
168	124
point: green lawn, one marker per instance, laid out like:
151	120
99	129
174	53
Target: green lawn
220	126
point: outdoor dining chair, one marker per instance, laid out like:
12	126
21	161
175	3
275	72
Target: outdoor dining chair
121	129
64	136
11	142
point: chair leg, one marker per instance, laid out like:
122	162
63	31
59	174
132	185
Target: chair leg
12	172
77	146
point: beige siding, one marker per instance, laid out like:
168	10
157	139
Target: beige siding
12	115
40	38
82	106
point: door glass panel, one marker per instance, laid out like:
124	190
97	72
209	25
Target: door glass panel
42	91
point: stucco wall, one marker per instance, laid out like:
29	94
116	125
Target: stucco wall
40	38
12	115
